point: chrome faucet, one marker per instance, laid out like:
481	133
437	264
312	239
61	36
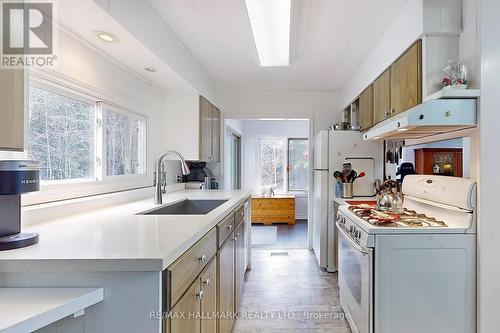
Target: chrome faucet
184	167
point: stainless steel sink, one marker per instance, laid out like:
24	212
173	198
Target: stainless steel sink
187	207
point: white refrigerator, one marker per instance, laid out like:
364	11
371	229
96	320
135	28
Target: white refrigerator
331	150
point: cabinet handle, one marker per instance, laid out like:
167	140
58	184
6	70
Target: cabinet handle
237	236
200	295
392	110
203	259
230	227
207	282
386	114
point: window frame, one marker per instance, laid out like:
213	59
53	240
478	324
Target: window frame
286	173
58	190
288	164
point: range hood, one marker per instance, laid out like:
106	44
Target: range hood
429	118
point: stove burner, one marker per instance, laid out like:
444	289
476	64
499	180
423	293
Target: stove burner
408	218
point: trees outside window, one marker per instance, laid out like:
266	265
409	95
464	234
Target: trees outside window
298	164
78	139
284	164
272	159
61	136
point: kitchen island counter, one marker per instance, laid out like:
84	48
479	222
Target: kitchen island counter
117	238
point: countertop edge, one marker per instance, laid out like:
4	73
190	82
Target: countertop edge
154	264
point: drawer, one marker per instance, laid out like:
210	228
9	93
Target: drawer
239	215
225	228
185	269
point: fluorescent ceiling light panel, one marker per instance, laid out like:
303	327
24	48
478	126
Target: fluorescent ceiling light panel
270	21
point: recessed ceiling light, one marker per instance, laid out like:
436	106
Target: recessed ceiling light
106	36
402	130
150	69
270	22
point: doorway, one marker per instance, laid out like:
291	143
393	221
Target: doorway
233	165
275	168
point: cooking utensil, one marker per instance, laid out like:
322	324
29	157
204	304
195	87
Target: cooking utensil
339	176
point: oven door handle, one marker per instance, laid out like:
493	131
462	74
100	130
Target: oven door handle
358	247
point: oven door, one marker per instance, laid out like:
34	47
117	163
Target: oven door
356	282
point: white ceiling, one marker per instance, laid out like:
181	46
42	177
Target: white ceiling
330	38
73	16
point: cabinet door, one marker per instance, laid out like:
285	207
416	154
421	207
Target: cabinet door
225	283
215	134
205	129
382	97
366	108
12	109
209	299
406	80
239	236
183	315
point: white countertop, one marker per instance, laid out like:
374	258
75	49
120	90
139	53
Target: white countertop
116	239
29	309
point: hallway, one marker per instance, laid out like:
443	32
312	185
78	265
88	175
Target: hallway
286	291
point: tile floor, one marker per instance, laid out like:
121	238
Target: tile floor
292	288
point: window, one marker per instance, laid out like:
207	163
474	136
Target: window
61	135
298	164
123	144
272	162
280	155
76	138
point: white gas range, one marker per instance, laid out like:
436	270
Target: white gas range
417	273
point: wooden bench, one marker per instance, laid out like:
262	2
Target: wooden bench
275	209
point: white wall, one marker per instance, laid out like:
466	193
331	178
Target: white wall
323	107
181	130
252	131
489	226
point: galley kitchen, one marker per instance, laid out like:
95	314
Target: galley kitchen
250	166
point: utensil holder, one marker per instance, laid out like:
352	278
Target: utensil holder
347	190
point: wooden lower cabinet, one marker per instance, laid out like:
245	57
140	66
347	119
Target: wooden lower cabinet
225	285
197	309
183	315
277	209
208	284
240	266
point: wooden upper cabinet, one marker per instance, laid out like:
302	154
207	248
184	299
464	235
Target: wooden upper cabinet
382	97
215	134
366	108
406	80
12	84
209	131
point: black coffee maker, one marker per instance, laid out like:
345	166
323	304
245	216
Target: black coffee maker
16	177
